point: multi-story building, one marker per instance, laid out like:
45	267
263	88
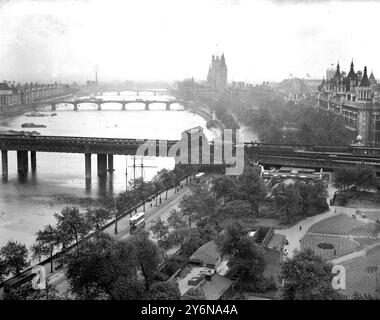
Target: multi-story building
12	96
355	99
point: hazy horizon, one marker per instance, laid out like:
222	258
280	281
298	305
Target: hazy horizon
168	40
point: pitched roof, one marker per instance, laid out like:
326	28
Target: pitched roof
5	86
208	253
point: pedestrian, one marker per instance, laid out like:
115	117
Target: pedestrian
300	228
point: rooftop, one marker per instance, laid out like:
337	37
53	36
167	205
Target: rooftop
208	253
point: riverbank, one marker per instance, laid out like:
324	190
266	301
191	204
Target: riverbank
16	111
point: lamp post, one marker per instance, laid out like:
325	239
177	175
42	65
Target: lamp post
115	217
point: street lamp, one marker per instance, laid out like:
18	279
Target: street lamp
115	218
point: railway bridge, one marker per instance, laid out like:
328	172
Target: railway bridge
190	149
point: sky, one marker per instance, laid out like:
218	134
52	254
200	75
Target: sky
263	40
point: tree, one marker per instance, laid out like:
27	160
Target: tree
101	268
247	260
38	250
127	288
365	177
313	198
194	293
307	276
48	239
176	220
225	187
97	218
146	255
71	224
160	231
167	179
15	257
229	240
234	209
252	187
288	200
3	269
165	291
198	205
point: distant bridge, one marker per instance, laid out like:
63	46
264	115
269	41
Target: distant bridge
156	92
99	102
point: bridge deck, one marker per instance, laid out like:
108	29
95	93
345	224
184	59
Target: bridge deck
71	144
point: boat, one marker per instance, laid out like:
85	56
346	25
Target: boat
32	125
53	115
36	114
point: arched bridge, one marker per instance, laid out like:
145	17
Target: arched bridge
155	92
99	102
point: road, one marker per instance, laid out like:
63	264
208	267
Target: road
58	278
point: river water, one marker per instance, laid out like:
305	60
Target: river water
27	204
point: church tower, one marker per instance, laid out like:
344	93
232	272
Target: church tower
217	73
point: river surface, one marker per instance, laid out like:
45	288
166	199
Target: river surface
27	204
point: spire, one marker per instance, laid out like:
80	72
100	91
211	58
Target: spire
352	65
223	60
365	80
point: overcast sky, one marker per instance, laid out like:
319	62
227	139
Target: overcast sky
174	39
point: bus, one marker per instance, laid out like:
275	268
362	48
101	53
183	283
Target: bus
137	221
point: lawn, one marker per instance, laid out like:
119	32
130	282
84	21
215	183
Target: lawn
340	224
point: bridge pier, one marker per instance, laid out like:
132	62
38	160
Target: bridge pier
137	93
99	107
53	107
123	107
102	165
22	162
146	106
110	163
118	93
4	163
33	160
167	106
87	161
75	106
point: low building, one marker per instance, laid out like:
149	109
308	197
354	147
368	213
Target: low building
207	255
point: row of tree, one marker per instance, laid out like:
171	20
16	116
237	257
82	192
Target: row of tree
293	201
72	226
267	113
362	176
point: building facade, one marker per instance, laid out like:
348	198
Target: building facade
355	99
13	96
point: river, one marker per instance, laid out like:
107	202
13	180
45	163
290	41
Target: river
27	204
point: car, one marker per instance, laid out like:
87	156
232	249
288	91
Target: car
363	215
286	242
